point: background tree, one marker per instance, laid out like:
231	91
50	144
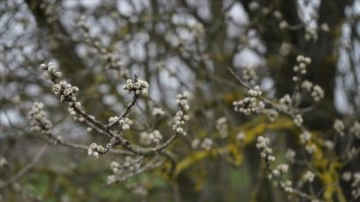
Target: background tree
149	93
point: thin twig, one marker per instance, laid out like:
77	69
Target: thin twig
83	147
124	114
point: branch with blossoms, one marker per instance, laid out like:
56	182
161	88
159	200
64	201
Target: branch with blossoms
289	105
114	129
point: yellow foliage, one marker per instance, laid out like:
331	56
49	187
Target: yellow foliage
252	129
328	171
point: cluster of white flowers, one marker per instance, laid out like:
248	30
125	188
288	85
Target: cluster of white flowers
182	100
139	87
325	27
111	179
115	167
144	138
290	155
298	120
195	143
132	164
346	176
355	130
128	166
285	49
147	138
265	151
179	122
249	75
181	117
316	92
38	120
253	5
155	137
277	14
158	112
311	34
94	150
50	71
279	170
307	86
310	148
329	144
113	118
308	176
283	24
339	127
125	123
285	102
140	190
352	152
287	185
272	114
222	127
248	105
76	116
276	173
300	68
240	136
65	91
3	162
254	92
199	31
355	183
206	143
305	137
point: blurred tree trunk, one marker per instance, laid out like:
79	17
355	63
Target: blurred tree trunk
59	40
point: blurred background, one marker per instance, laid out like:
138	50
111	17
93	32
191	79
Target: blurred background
177	46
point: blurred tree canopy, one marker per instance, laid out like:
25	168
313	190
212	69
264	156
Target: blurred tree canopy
177	46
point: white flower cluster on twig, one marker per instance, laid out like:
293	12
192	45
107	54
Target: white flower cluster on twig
355	130
308	176
94	150
290	155
63	89
339	127
354	180
249	75
148	138
207	143
265	151
138	86
182	100
38	120
131	166
251	103
158	112
125	123
50	72
155	137
277	173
